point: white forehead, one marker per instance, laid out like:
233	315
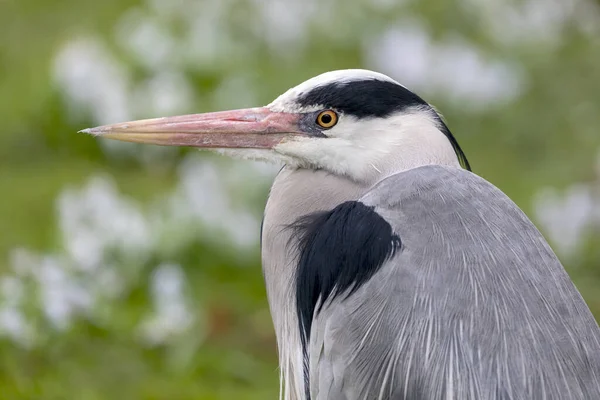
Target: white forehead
287	101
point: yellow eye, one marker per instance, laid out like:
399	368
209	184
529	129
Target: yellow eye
327	119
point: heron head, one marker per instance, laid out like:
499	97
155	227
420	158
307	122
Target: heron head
356	123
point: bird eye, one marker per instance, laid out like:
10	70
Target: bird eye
327	119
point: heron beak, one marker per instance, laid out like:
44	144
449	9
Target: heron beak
252	128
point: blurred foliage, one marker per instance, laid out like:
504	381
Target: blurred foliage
546	136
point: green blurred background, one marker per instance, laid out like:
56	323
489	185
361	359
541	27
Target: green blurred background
133	272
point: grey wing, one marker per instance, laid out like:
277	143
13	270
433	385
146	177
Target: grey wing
474	306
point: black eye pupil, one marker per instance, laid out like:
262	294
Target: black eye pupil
326	118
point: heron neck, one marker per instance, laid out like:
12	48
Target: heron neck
295	192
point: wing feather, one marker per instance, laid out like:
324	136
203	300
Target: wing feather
475	306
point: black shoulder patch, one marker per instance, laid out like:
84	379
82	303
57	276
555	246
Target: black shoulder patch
339	251
362	98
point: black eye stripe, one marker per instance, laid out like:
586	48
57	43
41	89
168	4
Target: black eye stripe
366	98
369	98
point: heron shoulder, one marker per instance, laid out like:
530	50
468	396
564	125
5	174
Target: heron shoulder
431	191
430	179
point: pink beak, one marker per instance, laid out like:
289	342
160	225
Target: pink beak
254	128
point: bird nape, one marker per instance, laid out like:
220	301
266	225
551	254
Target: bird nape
392	272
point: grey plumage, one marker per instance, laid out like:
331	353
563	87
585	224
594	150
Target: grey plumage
476	306
473	304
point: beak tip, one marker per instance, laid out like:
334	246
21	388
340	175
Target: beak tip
94	131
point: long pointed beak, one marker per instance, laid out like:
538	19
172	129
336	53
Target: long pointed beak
255	128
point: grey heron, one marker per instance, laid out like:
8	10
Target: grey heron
392	271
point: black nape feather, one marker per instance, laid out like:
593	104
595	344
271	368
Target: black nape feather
462	158
339	251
